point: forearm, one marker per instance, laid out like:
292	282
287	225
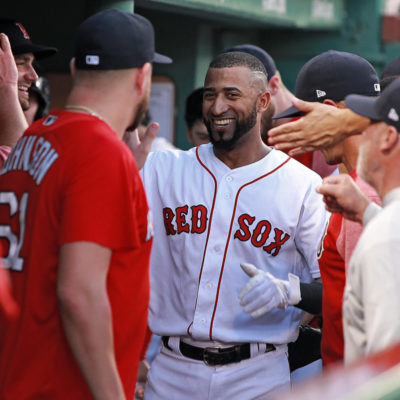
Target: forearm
12	119
311	297
88	328
352	123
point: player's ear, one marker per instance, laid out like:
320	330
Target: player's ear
330	102
143	77
388	139
263	101
274	84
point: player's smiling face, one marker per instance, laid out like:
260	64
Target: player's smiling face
26	76
229	105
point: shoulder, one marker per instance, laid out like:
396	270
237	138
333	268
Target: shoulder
383	226
298	174
170	158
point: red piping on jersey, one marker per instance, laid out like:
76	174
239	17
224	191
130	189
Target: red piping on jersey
190	325
229	237
208	229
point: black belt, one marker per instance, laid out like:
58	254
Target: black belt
216	355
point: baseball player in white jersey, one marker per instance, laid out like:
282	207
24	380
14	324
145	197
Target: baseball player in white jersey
216	206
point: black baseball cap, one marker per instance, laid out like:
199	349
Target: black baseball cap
258	52
392	69
333	75
21	42
113	39
384	108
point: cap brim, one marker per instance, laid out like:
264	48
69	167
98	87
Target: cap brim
289	112
38	50
363	105
160	59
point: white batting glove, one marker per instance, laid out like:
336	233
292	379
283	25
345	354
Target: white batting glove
263	292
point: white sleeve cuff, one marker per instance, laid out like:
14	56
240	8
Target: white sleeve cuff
370	212
295	295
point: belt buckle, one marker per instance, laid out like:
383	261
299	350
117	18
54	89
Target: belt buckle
209	352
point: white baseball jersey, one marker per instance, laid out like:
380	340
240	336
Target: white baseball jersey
208	219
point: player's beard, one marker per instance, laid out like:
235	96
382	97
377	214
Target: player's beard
242	127
140	113
24	103
267	122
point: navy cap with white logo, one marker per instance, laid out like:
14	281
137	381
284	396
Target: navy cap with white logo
333	75
392	69
384	108
114	39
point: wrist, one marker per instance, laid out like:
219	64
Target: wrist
355	123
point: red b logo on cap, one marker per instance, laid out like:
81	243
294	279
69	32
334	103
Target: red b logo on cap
23	30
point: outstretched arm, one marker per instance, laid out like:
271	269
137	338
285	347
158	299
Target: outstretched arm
141	148
322	126
12	118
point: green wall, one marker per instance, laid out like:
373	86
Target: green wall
193	35
192	41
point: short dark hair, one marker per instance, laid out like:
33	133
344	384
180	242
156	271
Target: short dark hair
194	107
258	52
238	59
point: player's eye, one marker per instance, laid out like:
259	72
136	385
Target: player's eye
208	96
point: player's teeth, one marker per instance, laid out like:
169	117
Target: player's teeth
223	121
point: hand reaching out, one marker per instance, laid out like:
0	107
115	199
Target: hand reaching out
141	148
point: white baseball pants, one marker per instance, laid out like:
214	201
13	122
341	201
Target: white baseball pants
173	376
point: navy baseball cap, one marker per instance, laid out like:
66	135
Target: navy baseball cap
114	39
333	75
21	42
258	52
384	108
392	69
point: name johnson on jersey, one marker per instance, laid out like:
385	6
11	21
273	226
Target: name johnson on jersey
31	155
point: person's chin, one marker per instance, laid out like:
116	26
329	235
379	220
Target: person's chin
223	135
24	104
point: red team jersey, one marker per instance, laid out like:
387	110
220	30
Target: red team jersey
70	178
338	245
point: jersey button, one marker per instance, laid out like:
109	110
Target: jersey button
203	320
227	196
209	285
229	179
217	248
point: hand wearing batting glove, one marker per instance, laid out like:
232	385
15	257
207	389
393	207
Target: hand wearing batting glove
263	292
